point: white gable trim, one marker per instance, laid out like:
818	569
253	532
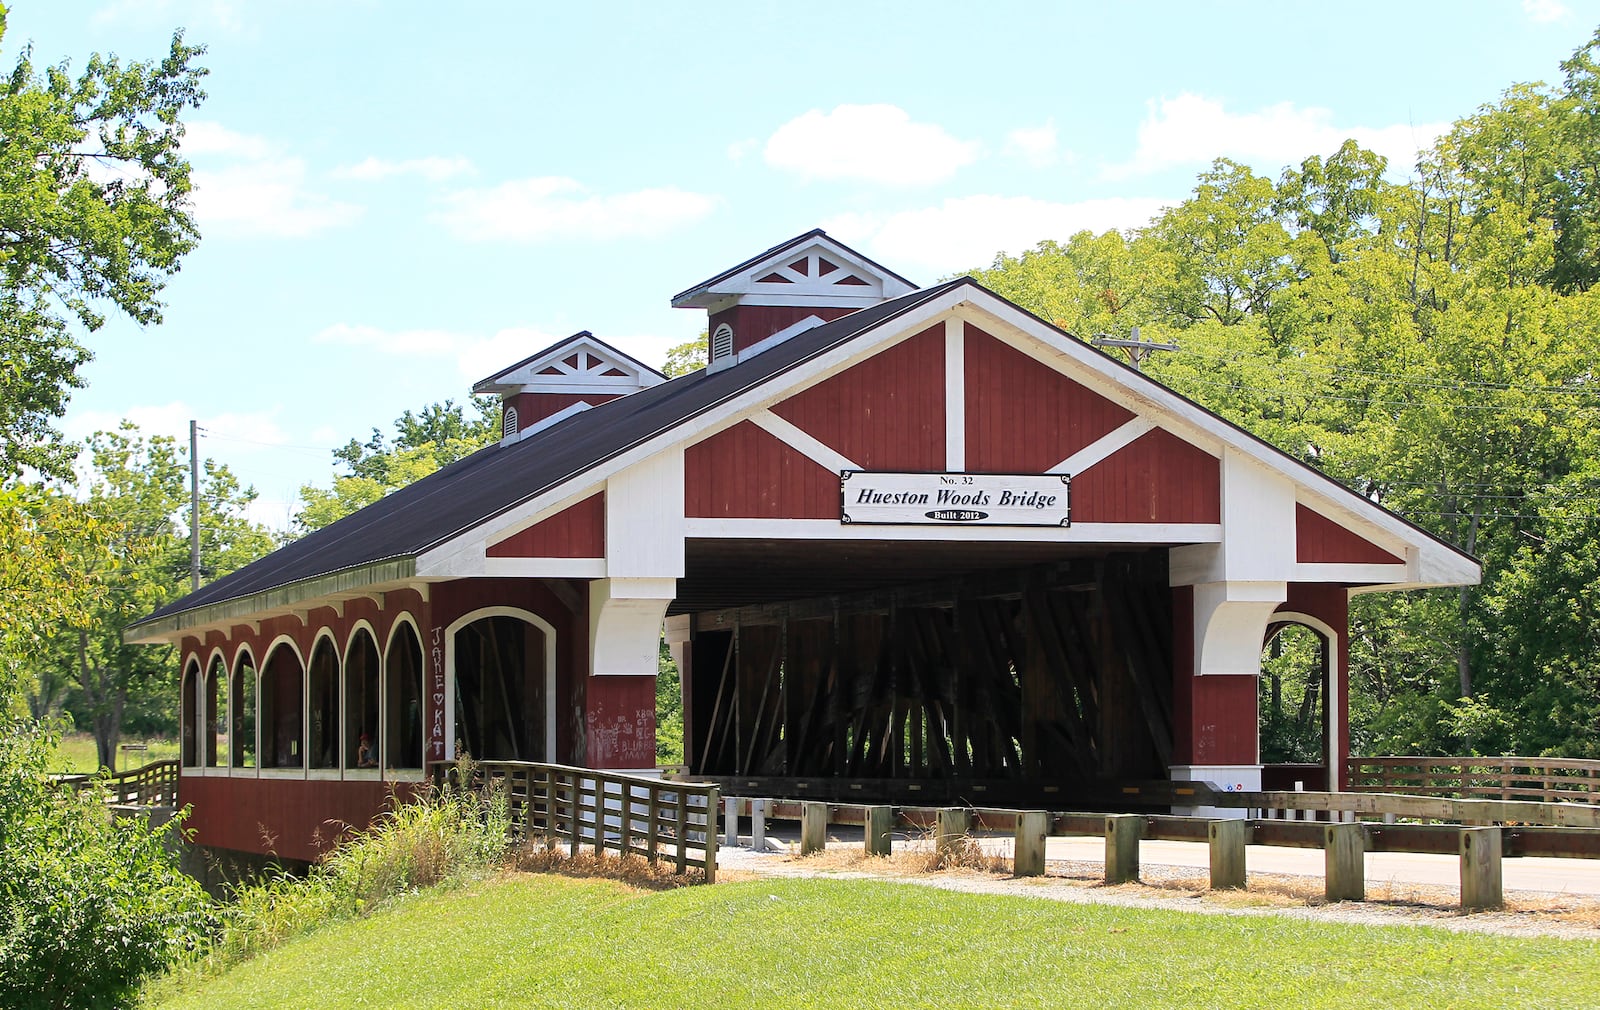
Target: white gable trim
1432	563
802	442
809	288
1104	446
792	330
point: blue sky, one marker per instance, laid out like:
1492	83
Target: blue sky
399	198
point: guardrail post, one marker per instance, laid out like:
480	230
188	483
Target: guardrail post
711	836
1480	869
813	827
1227	839
758	825
1345	852
732	814
875	825
1027	859
950	827
1123	832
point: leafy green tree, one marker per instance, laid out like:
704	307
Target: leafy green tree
96	214
89	905
424	442
133	492
686	357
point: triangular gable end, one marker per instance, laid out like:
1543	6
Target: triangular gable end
582	363
810	269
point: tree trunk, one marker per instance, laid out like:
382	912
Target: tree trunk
105	702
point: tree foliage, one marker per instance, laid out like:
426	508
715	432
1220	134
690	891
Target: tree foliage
424	442
1432	344
96	214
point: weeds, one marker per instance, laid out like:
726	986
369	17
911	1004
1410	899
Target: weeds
542	856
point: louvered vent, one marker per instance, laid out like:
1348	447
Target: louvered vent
722	342
508	423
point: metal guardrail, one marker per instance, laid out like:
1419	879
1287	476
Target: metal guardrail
648	817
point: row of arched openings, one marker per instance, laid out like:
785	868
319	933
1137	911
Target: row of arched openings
359	710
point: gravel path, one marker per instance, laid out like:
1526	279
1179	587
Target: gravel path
1182	888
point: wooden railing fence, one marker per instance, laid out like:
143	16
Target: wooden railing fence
1545	780
154	785
579	807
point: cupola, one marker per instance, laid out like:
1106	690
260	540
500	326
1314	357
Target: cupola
788	289
569	376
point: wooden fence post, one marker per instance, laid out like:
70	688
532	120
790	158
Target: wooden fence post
1027	856
813	827
875	827
711	836
1122	847
1227	839
950	827
1480	869
1345	851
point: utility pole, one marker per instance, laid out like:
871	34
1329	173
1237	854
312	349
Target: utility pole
194	506
1137	349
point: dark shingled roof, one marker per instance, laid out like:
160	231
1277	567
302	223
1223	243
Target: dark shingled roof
497	478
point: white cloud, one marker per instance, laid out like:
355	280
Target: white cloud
874	143
1545	11
739	150
475	354
1036	145
552	207
966	232
259	428
1192	129
203	137
432	169
266	198
223	14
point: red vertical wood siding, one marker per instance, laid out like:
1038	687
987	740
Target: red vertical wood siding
577	531
1158	478
1330	604
745	472
886	413
621	722
1024	416
1318	539
535	407
1225	724
755	323
292	818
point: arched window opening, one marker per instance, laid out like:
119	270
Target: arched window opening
1293	696
216	700
361	702
403	731
242	736
500	675
188	698
282	715
322	745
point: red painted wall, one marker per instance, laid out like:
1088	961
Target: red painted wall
535	407
1024	416
1159	478
745	472
1214	717
886	413
621	722
755	323
1319	539
1331	605
292	818
577	531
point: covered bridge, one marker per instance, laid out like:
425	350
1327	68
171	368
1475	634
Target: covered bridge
905	542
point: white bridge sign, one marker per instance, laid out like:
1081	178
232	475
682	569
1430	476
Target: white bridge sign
953	499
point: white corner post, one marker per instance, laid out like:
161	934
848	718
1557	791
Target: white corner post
644	560
1237	585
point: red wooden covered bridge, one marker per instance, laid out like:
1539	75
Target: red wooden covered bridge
905	542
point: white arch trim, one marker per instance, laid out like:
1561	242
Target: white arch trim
549	674
190	686
404	617
1332	699
225	704
243	650
344	699
350	639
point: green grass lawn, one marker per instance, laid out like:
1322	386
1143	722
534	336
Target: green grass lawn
543	941
76	753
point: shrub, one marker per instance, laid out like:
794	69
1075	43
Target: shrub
88	905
